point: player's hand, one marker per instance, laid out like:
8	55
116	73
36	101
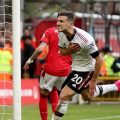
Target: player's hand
26	66
92	86
74	47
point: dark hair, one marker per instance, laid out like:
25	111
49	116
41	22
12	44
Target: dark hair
26	37
70	15
28	28
107	49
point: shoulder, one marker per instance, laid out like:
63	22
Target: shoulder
51	33
84	36
51	30
62	36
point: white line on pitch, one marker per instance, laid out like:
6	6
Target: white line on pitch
102	118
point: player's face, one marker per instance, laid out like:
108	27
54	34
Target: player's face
62	23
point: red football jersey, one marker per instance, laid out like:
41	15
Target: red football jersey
56	64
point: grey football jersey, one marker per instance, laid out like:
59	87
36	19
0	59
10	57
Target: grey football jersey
81	60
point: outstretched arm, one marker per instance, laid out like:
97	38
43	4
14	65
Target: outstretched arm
39	51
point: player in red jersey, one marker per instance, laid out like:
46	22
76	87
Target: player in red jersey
56	68
56	64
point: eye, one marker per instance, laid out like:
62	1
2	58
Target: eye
61	21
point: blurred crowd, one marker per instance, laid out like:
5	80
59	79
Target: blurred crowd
28	45
111	64
110	67
6	55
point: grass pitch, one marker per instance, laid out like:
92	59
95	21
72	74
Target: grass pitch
78	112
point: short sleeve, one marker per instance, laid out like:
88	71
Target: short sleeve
92	47
45	37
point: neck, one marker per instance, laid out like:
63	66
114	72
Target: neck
70	34
69	31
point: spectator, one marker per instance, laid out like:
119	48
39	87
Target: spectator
6	60
27	51
25	47
108	60
28	32
103	71
116	66
1	34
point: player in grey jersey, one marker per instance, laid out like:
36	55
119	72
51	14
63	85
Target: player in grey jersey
82	59
86	62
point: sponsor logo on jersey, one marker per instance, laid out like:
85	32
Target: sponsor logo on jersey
74	85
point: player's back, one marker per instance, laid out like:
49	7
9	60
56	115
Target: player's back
56	64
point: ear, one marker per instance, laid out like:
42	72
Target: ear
71	23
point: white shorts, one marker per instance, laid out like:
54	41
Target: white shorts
48	82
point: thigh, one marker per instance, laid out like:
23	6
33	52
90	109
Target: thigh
47	81
59	82
66	93
86	96
77	80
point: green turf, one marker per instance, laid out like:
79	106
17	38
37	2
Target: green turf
78	112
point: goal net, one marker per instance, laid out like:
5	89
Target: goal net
10	104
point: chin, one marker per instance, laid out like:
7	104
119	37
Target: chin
59	30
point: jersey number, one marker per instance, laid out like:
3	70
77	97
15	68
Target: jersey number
77	79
